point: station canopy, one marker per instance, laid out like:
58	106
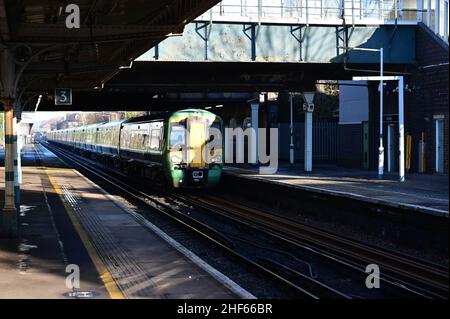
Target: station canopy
112	33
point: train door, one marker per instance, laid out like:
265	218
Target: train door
439	166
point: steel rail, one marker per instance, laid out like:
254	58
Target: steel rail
336	246
316	289
434	277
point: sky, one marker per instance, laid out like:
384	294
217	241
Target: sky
39	116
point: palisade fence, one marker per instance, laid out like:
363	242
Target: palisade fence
325	141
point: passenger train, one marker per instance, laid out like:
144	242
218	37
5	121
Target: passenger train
184	148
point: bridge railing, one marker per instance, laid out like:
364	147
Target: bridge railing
332	12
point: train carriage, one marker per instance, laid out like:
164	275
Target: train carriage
90	137
141	140
108	136
185	147
189	160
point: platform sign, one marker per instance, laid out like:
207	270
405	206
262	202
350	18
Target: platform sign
63	96
390	118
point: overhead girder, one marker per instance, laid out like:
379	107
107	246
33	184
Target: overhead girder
52	34
49	68
119	101
134	85
112	34
231	76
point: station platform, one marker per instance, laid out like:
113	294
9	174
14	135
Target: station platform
65	219
420	192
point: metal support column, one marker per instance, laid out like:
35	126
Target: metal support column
16	163
419	10
255	125
8	217
308	107
401	130
291	129
20	143
9	214
381	148
308	141
436	17
445	20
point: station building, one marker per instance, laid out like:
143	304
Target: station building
346	134
426	114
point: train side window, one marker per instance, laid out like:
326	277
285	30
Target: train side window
144	140
155	139
127	140
124	137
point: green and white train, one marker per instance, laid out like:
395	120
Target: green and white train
183	147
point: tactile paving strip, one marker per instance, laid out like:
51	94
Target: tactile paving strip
129	276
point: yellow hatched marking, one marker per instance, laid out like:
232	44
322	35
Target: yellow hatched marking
106	277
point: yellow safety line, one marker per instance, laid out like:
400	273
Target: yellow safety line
108	281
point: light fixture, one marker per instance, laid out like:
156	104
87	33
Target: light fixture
38	102
175	159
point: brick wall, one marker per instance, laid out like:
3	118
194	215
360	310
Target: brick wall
429	95
425	98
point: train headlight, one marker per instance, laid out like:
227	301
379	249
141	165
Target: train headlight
216	159
176	159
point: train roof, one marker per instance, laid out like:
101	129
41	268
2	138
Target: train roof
163	116
146	118
90	126
113	123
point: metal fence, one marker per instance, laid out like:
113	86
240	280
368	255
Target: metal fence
314	9
325	141
434	13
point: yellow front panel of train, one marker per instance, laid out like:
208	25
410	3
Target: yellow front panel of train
197	138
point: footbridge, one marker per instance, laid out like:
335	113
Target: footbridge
271	45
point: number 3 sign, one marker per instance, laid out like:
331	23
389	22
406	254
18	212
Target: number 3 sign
63	96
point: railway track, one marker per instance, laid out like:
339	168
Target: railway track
415	276
304	286
405	270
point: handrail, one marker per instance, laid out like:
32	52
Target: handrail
356	12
